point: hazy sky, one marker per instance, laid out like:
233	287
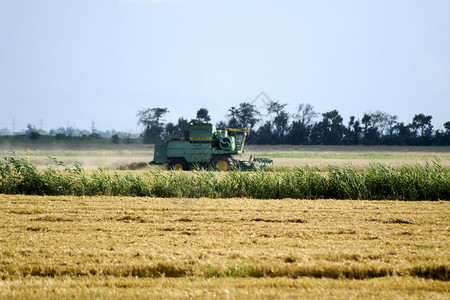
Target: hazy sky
74	61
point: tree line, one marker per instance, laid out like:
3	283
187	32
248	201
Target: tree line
304	127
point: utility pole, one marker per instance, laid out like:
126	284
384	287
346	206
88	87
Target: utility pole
94	130
13	126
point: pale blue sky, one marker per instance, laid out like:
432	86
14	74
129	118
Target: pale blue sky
81	60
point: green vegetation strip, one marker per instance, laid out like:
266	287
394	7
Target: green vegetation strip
408	182
437	272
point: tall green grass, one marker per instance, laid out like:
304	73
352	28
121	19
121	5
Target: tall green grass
408	182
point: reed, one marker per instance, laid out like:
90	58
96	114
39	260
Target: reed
407	182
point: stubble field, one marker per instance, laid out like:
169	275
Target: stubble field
116	247
132	157
88	247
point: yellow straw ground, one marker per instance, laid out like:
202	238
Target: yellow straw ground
114	247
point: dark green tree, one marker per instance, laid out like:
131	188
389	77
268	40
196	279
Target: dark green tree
299	134
447	126
171	131
306	114
378	128
30	129
331	128
421	125
245	116
371	135
279	120
445	136
422	129
152	119
353	132
221	125
233	115
115	138
403	134
202	116
34	135
176	131
300	129
264	135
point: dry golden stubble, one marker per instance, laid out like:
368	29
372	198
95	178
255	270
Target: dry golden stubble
88	237
248	288
134	157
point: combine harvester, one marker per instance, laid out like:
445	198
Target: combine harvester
205	147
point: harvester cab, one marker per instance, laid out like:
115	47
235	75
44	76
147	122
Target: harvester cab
206	147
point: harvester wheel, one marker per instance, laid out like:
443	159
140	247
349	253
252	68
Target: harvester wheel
223	163
178	164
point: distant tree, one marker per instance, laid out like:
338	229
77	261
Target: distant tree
383	121
445	136
202	116
279	119
391	121
5	131
299	134
233	114
305	114
152	119
173	131
30	129
421	125
221	125
115	138
316	134
61	130
370	131
183	125
403	136
331	128
447	126
128	139
60	136
378	128
353	132
170	131
245	116
34	135
95	136
264	135
300	129
422	129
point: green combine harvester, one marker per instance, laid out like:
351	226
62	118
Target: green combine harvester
205	147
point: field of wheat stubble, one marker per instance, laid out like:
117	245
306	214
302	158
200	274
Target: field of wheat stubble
88	247
130	157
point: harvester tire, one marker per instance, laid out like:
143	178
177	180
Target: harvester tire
223	163
178	164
